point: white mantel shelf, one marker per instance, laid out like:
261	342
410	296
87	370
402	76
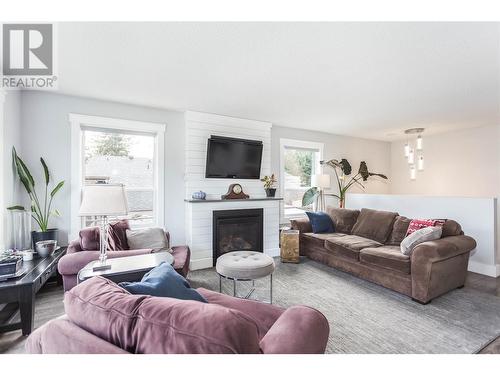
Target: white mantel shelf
231	200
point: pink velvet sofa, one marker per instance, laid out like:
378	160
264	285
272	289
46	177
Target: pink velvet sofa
101	317
86	249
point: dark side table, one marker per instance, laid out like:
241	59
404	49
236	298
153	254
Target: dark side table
22	289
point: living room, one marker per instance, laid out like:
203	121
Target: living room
250	188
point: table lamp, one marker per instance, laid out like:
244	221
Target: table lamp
321	181
102	201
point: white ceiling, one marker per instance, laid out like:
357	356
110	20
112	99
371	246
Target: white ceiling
371	80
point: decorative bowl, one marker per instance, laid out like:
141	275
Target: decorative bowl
199	195
46	248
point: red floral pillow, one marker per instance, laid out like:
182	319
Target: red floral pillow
417	224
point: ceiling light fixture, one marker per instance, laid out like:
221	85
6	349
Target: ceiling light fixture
415	153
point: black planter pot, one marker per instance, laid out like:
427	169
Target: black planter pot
270	193
51	234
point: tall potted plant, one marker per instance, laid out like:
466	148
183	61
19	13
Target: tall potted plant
342	171
41	210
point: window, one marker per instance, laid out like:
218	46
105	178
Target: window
122	158
106	150
299	162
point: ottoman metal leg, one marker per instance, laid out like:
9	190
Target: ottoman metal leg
234	287
220	284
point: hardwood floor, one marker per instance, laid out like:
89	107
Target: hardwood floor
49	305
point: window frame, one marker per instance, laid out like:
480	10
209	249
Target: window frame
79	123
296	144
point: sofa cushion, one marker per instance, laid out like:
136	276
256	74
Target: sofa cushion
163	281
147	238
90	239
417	224
375	225
451	228
144	324
324	236
420	236
398	232
117	237
389	257
343	218
349	246
321	222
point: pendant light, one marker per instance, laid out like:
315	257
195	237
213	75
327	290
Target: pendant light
414	152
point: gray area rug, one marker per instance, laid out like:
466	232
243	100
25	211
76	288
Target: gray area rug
367	318
364	317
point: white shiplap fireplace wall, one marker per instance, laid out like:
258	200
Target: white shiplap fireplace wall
199	128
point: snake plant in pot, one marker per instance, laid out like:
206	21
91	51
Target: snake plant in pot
41	209
345	181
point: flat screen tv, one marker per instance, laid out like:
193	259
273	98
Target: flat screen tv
233	158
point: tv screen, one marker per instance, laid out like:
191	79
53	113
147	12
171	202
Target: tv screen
233	158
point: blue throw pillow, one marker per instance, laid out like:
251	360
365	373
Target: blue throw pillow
321	222
163	281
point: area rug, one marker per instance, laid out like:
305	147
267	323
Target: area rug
367	318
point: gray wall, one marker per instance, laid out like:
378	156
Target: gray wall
46	132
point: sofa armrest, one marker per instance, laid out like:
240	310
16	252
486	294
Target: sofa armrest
74	247
61	336
299	330
439	266
444	248
71	264
303	225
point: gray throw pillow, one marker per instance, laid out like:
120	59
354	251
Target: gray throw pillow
419	236
148	238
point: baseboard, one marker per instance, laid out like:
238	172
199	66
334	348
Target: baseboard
199	264
272	252
492	270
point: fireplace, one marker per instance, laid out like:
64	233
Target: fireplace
235	230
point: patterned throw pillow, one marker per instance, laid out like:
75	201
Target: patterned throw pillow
417	224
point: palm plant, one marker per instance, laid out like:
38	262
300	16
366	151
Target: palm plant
342	169
40	211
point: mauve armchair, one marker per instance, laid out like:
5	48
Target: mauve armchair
85	249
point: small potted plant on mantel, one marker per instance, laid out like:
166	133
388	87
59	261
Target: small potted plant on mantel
269	185
41	211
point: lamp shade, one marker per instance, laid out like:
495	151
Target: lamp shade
321	181
104	200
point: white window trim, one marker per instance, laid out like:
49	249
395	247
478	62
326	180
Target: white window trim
295	143
80	122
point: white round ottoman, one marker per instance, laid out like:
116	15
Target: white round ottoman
245	266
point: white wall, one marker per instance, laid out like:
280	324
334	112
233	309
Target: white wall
11	193
466	211
46	131
463	163
375	153
199	128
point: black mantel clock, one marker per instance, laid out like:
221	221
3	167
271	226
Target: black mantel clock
235	191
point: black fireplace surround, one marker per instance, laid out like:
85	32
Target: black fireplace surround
235	230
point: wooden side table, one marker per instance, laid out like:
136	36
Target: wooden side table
289	251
